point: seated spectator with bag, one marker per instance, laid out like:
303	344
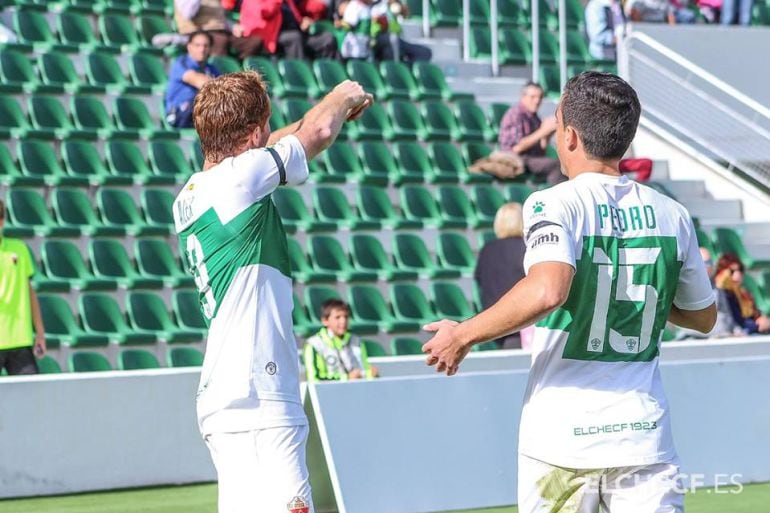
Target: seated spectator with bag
209	16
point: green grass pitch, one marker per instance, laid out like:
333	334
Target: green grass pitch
202	499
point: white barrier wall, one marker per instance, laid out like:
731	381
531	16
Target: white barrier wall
406	444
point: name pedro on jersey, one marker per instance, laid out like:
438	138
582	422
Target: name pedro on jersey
624	219
614	428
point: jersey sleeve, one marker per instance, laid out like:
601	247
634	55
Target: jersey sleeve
694	290
547	231
262	170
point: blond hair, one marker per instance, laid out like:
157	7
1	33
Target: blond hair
227	110
509	221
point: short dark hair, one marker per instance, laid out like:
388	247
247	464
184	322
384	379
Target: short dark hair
604	110
532	83
333	304
201	33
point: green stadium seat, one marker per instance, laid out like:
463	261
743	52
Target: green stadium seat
75	29
446	13
225	64
38	161
157	205
450	301
496	113
13	121
26	208
294	213
147	70
118	208
302	271
518	192
449	165
298	78
147	312
73	208
276	119
62	261
48	114
58	73
101	314
403	346
368	255
151	24
761	300
17	73
472	122
406	121
474	151
367	74
61	326
727	240
154	258
373	349
374	205
327	255
487	199
331	205
409	302
132	114
110	260
303	326
512	13
137	359
81	159
167	159
374	124
577	48
479	14
399	82
432	84
415	166
379	165
343	165
196	155
515	47
704	241
270	74
456	208
9	170
489	345
117	31
440	122
369	306
184	357
294	109
549	79
411	253
480	43
417	203
48	365
103	70
329	73
90	113
187	311
125	160
455	253
88	361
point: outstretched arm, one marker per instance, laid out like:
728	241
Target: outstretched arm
701	320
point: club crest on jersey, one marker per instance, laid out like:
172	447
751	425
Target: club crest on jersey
331	360
538	207
595	343
631	344
271	368
298	505
14	258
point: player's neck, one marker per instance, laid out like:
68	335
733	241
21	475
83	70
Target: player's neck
601	167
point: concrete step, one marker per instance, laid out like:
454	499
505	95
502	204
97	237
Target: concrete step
498	87
660	170
443	49
720	211
683	189
757	233
460	69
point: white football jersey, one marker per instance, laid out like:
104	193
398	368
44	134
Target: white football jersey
595	398
236	249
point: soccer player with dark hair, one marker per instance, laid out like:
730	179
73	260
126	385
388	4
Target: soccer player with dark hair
608	262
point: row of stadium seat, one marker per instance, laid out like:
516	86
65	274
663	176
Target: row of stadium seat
162	7
100	320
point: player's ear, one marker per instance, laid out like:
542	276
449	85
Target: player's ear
571	139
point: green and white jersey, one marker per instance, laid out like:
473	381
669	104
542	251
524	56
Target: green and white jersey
595	398
236	249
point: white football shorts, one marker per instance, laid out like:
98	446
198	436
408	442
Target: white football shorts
262	471
545	488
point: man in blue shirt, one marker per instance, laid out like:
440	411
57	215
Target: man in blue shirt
188	74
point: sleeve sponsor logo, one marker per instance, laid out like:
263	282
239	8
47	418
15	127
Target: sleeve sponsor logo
549	238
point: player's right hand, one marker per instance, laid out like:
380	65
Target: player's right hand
352	95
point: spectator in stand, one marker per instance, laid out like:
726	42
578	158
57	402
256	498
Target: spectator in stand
522	132
188	74
729	278
209	16
658	11
334	353
19	308
725	325
355	20
286	25
736	10
605	26
388	43
501	263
